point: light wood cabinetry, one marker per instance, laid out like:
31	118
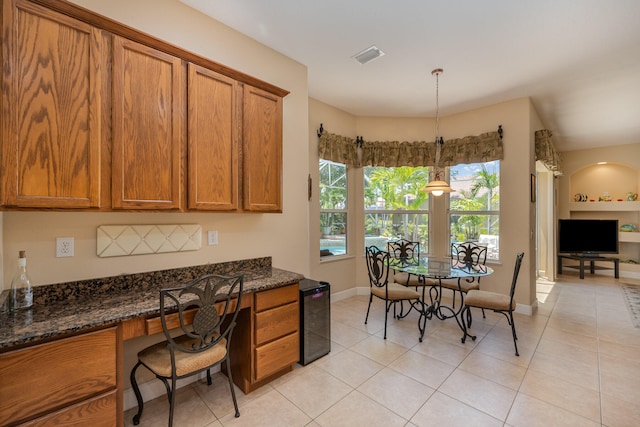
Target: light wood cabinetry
98	116
213	134
70	381
266	342
262	150
276	345
53	88
148	113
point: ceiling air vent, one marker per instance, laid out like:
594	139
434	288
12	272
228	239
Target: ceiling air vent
367	55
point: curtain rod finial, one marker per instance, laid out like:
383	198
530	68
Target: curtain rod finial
500	131
320	130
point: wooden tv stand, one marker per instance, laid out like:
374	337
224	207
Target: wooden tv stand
592	266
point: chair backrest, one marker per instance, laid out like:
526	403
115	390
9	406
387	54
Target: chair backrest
377	266
403	248
216	300
469	253
516	271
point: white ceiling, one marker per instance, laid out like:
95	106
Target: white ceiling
578	60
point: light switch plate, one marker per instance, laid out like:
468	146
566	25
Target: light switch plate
212	237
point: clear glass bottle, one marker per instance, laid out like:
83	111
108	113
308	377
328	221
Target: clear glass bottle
21	294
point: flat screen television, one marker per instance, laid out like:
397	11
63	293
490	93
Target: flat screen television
588	237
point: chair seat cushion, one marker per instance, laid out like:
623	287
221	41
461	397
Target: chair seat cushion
490	300
464	285
407	279
396	292
158	358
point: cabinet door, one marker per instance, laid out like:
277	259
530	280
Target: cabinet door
148	92
262	151
51	108
213	134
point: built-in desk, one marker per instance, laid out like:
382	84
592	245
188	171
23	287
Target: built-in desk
63	358
591	261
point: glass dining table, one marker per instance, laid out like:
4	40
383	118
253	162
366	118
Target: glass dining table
439	269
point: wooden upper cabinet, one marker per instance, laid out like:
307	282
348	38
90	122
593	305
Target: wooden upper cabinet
213	132
262	150
148	120
52	100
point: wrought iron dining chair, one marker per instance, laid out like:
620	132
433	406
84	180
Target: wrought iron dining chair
213	303
408	252
467	253
499	303
382	288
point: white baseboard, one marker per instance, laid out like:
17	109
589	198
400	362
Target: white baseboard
358	290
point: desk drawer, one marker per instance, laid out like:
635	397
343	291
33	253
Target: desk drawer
47	377
276	355
154	324
101	411
276	297
276	322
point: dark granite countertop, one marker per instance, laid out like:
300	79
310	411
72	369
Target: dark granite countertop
65	308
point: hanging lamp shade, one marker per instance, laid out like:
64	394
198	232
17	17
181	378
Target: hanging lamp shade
437	188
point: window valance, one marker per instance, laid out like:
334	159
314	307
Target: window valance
546	152
471	149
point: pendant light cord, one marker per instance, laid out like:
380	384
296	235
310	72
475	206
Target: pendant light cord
437	73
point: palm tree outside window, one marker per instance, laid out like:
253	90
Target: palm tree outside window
394	205
474	213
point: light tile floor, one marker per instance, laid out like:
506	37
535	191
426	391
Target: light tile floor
579	365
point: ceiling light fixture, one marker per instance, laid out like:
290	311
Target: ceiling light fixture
437	187
368	55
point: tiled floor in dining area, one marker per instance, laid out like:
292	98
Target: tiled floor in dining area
579	365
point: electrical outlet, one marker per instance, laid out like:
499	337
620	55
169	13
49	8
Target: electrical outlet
212	237
64	247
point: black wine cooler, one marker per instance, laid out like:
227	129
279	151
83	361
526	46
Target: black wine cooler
315	320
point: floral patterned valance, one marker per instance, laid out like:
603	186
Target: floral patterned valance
546	152
471	149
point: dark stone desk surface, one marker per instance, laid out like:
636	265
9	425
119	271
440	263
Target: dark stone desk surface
65	308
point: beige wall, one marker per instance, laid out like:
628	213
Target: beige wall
282	236
575	161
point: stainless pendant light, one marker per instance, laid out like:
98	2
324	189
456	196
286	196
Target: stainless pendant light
437	187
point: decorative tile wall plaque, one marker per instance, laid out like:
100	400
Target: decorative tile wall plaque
123	240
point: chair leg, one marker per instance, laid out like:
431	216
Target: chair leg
386	315
136	390
483	316
453	300
233	391
513	331
464	325
172	400
368	308
208	376
167	386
